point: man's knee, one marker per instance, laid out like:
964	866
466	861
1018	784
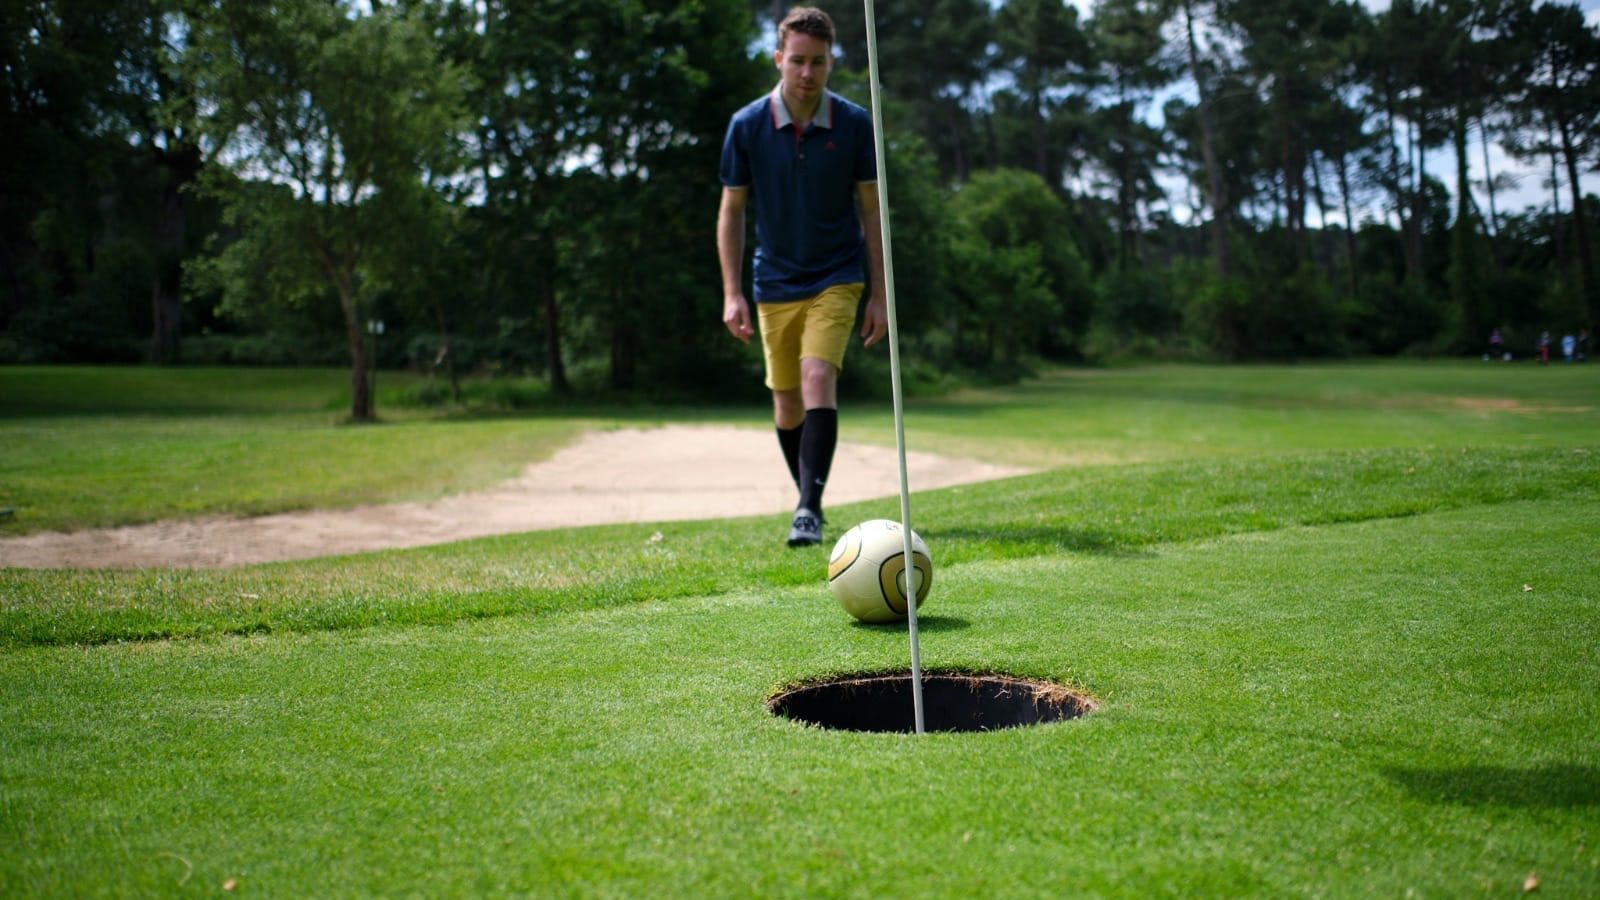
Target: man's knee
819	382
788	408
817	373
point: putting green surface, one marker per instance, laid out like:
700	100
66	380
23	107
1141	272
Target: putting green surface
1356	673
1295	712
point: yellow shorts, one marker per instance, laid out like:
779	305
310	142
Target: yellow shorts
818	328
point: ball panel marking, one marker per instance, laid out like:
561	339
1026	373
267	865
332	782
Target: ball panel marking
845	553
866	571
892	580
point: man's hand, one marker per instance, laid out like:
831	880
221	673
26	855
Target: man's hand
874	321
736	316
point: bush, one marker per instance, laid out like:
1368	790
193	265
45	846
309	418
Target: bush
78	328
1390	316
481	394
1216	311
867	375
1137	301
271	349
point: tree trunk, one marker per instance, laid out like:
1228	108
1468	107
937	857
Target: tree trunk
355	338
1397	188
1419	204
1041	141
1560	236
1127	208
552	324
958	143
178	162
165	284
1349	226
1217	187
1492	222
1292	161
167	313
624	353
13	299
1465	283
1324	253
445	357
1587	288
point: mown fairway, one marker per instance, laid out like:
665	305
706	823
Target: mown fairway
1343	621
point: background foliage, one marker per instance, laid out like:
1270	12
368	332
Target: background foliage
517	187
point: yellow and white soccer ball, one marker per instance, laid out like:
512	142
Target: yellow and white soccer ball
867	571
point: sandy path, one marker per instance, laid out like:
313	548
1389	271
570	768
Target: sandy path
671	473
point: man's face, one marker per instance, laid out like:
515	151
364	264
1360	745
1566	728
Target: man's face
803	62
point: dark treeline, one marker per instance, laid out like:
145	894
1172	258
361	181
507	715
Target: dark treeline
523	187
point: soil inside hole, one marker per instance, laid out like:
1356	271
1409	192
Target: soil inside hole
950	702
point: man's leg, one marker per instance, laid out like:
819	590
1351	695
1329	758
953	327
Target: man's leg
805	345
820	435
782	326
829	322
791	418
814	406
789	435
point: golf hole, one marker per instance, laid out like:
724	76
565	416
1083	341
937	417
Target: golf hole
950	702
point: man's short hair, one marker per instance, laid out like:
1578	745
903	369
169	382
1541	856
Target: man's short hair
807	20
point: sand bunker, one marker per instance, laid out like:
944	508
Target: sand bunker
672	473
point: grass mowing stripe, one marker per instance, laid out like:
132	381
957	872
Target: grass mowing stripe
108	446
1364	709
1180	412
1101	510
163	468
91	391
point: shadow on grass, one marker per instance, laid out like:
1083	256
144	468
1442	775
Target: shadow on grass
1042	539
1557	785
925	622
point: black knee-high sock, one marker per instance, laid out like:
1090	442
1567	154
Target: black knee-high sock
817	442
789	440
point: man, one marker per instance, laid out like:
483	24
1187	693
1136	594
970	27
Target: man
805	156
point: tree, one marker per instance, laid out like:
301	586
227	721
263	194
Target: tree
158	118
1469	61
1290	51
1395	59
1558	112
92	219
325	123
933	97
662	78
1022	286
1042	46
1340	126
1128	49
1216	186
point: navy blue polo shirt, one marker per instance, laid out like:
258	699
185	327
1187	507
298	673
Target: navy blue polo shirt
808	235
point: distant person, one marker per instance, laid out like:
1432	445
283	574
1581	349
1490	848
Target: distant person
1569	345
1544	348
805	157
1583	344
1496	343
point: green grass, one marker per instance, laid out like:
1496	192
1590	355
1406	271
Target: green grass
93	448
1342	621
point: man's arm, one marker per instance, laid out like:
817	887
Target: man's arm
730	249
875	319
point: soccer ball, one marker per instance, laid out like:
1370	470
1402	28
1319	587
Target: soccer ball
867	571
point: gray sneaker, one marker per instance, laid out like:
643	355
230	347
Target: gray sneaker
806	529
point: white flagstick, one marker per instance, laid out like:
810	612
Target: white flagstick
910	571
